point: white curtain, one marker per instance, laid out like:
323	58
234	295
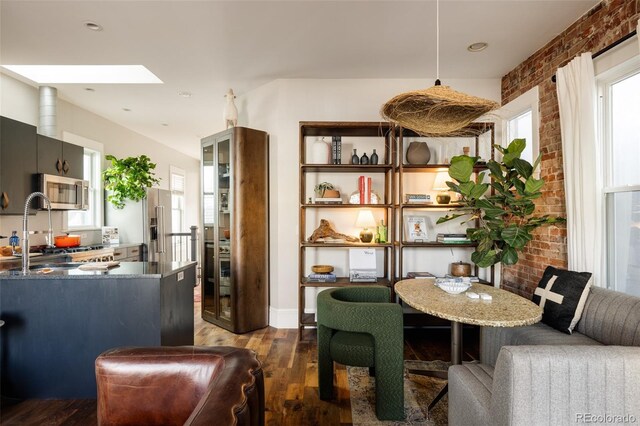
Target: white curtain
638	32
581	152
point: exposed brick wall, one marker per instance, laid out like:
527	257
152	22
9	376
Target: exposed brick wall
602	25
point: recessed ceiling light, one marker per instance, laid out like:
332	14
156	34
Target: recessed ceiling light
477	47
184	94
92	26
86	74
126	109
89	89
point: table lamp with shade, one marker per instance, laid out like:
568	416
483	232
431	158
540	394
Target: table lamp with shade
439	184
365	220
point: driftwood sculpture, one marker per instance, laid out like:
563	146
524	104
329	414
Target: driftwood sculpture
325	230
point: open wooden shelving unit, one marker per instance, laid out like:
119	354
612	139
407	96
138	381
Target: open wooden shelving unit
393	167
386	167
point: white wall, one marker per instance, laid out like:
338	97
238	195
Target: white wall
278	108
20	102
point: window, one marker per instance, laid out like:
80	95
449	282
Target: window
520	121
177	184
208	191
91	218
521	127
619	109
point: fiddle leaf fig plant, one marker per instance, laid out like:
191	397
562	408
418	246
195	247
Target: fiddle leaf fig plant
128	179
505	216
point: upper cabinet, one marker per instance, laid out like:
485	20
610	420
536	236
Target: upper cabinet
18	153
60	158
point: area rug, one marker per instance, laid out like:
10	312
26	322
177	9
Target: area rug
419	391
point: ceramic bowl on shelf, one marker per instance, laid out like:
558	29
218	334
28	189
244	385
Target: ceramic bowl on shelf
454	288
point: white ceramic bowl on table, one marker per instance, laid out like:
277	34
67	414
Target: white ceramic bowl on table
454	288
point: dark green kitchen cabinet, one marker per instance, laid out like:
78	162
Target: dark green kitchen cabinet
18	154
60	158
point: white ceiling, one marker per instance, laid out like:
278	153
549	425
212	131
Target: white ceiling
205	47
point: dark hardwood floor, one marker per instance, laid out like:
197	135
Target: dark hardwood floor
291	380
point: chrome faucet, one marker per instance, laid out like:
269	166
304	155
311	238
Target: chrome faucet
25	229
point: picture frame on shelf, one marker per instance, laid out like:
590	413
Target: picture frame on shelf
415	229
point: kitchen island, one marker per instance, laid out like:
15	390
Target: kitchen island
57	323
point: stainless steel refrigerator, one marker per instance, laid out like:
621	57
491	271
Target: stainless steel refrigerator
147	221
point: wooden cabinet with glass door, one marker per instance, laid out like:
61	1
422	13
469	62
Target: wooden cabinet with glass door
235	200
423	198
343	212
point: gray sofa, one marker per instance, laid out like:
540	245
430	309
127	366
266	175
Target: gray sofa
538	375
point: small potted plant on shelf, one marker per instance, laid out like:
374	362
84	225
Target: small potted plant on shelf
128	179
505	218
326	190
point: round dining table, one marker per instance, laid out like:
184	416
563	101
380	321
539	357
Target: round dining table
504	309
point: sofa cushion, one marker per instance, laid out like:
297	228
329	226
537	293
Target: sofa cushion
494	338
562	295
470	394
611	317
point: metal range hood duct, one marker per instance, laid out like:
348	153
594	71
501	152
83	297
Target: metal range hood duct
48	111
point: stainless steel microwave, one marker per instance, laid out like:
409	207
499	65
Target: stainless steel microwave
63	192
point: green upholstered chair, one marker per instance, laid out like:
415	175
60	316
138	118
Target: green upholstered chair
358	326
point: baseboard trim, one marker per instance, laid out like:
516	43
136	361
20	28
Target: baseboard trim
283	318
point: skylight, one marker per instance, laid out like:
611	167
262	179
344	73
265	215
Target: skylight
86	74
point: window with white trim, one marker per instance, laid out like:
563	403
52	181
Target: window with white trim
521	121
521	127
177	185
92	217
619	112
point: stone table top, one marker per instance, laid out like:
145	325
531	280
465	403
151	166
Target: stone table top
506	309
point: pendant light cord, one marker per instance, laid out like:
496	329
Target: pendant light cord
437	42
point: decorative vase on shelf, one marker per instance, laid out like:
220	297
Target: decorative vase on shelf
418	153
364	159
320	152
354	158
374	157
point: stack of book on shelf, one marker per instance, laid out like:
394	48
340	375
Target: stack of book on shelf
329	200
420	275
321	278
418	198
336	149
453	238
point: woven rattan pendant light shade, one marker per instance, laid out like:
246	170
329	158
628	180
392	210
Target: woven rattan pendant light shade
438	109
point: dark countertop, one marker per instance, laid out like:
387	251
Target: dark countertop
123	270
8	262
35	257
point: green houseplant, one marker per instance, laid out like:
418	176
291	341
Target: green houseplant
505	217
321	188
128	179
